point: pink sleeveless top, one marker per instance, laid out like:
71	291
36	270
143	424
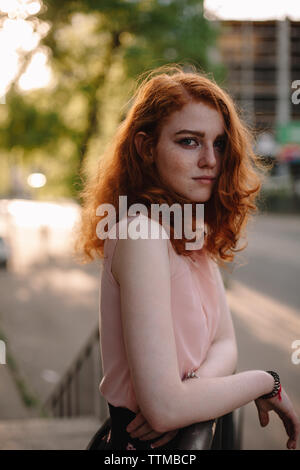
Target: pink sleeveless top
197	292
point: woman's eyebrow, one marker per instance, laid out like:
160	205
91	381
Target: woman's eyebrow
199	133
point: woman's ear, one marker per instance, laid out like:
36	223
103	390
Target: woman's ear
139	141
144	148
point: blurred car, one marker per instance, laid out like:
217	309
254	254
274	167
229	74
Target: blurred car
4	253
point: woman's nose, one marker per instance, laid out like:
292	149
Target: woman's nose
207	156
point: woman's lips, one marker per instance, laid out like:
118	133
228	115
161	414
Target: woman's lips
205	180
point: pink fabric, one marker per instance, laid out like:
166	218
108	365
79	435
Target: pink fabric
197	292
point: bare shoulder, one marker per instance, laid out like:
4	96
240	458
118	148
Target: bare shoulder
138	254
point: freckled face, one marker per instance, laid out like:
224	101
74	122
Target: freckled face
191	145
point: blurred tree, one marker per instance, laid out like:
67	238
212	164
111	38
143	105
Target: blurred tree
96	49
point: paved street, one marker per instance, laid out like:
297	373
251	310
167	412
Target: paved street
49	309
273	257
265	303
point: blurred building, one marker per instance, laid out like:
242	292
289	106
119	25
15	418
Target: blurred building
262	60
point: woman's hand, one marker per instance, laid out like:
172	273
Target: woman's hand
285	411
139	428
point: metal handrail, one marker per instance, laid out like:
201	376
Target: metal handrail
70	398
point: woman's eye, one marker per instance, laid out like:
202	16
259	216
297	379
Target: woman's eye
187	141
220	144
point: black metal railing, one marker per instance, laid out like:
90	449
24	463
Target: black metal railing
78	394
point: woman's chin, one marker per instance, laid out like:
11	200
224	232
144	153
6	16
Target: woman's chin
200	198
196	196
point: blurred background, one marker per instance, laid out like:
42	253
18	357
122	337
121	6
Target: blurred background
67	74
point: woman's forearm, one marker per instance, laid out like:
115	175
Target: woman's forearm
221	360
202	399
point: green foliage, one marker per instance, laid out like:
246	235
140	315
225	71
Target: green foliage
29	127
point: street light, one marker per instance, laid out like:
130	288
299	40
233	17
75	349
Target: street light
36	180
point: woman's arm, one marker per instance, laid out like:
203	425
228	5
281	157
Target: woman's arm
142	269
222	356
221	360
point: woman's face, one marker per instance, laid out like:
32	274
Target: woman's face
190	147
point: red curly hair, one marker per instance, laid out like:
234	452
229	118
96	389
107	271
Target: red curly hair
122	171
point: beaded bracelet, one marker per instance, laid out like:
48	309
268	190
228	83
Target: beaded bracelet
191	375
277	386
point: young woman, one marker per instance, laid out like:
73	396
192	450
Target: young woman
168	345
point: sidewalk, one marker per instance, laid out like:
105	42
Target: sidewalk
48	434
11	404
265	330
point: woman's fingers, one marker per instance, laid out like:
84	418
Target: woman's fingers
263	417
166	438
139	428
150	435
136	422
142	430
291	424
